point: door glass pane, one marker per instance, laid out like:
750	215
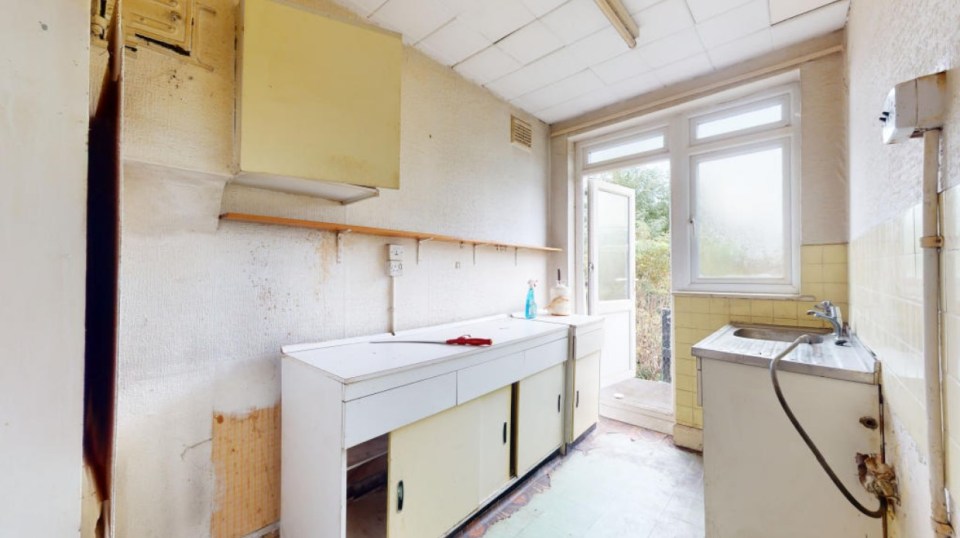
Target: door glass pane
771	113
613	241
626	148
739	215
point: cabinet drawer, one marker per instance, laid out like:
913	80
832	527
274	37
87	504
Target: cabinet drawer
489	376
366	418
542	357
587	343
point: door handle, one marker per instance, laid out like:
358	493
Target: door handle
558	403
400	496
504	433
577	403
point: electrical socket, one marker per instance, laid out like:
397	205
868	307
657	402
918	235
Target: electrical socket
394	268
395	253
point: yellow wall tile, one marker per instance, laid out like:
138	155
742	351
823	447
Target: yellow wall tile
687	383
835	273
761	309
811	274
684	416
784	309
835	254
811	254
739	307
719	305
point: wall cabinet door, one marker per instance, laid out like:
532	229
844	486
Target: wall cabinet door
319	98
586	394
539	417
441	468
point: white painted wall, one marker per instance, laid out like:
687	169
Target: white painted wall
43	133
890	41
205	306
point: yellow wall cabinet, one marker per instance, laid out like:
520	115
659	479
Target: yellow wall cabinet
318	103
539	417
444	466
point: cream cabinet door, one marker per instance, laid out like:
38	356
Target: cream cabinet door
586	393
441	468
319	98
539	417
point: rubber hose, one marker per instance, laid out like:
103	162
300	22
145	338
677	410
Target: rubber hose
774	364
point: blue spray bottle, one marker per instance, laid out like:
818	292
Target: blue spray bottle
530	311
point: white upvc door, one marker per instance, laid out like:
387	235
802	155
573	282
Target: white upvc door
611	275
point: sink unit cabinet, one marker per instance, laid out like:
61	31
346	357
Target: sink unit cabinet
318	103
446	411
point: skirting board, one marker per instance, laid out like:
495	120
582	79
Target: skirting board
687	437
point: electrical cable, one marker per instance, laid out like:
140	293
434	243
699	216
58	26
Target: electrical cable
805	339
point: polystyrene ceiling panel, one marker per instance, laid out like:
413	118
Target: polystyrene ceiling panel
453	43
781	10
415	19
542	7
561	91
663	19
705	9
599	46
622	67
746	47
575	20
809	25
685	69
489	64
738	22
672	48
497	18
531	42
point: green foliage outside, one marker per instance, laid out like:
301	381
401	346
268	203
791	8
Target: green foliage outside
652	186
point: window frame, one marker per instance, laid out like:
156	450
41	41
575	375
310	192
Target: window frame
685	259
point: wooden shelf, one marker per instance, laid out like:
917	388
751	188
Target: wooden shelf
367	230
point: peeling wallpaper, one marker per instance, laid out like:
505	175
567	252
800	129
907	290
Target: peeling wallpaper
206	305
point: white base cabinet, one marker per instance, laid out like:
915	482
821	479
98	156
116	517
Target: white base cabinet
586	394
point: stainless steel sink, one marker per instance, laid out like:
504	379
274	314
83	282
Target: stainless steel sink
779	334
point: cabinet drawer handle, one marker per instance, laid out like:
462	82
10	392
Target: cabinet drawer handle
400	496
558	403
504	433
577	404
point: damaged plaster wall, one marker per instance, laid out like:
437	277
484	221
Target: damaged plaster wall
206	305
885	258
43	134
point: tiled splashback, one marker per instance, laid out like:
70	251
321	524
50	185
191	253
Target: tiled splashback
886	269
823	275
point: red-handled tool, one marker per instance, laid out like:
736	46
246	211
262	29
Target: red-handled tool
465	340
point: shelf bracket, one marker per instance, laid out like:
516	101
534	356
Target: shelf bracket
341	239
420	243
475	246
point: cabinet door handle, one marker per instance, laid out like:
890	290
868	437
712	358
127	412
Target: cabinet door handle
504	433
558	403
400	496
577	404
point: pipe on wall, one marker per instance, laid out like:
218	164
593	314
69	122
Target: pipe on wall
930	242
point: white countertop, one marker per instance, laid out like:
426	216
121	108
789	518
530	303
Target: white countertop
574	320
356	359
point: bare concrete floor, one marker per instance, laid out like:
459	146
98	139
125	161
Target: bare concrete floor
619	482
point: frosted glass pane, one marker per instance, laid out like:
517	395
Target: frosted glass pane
613	242
739	122
739	215
633	147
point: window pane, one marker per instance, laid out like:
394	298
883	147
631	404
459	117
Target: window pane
729	124
739	209
632	147
613	242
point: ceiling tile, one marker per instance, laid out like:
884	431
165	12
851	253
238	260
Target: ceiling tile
497	18
685	69
599	46
781	10
559	92
489	64
530	42
361	7
551	68
745	48
622	67
705	9
578	106
415	19
635	86
734	24
575	19
542	7
521	81
662	19
809	25
453	43
634	6
672	48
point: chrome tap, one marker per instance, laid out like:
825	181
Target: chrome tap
831	312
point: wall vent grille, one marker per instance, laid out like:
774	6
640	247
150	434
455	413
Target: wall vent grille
521	133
